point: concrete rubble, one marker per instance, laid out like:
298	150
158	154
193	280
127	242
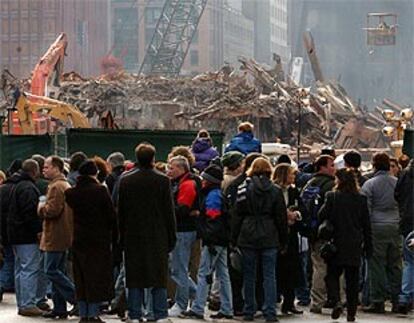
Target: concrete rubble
219	100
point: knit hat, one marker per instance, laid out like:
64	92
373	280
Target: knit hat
284	159
232	158
213	174
353	159
88	168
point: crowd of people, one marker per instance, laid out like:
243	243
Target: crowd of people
237	233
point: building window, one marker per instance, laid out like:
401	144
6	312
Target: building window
194	58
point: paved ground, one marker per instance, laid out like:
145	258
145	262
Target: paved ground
8	315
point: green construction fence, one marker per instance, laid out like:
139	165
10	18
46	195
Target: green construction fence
23	147
102	142
98	142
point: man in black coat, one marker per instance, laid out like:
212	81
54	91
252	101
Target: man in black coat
148	232
404	194
23	227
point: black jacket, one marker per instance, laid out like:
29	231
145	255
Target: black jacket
5	194
213	223
404	194
259	220
349	215
187	192
147	225
93	221
23	223
288	263
113	177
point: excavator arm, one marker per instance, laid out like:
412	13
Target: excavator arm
27	104
50	65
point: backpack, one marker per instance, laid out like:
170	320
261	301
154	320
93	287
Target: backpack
311	200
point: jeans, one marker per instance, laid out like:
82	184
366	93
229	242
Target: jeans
119	288
63	289
43	281
89	310
250	259
213	258
303	292
136	302
7	272
26	265
179	272
407	288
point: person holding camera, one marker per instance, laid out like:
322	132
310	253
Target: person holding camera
289	264
346	210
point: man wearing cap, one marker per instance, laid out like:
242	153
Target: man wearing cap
214	230
233	163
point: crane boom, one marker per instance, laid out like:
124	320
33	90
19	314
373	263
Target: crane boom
52	61
172	37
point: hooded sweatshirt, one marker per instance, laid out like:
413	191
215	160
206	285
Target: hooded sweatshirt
203	153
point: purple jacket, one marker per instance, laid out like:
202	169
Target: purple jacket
203	153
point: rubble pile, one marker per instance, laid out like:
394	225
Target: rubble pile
220	100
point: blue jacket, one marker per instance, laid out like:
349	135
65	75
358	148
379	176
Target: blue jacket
245	143
213	224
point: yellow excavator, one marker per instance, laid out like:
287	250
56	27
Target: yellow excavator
27	104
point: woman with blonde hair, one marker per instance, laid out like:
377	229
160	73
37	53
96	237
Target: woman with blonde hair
259	230
289	262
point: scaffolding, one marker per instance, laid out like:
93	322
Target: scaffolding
171	40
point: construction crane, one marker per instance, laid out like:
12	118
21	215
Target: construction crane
50	67
171	40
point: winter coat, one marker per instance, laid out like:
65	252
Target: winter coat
5	194
349	215
203	153
245	143
213	223
186	198
260	218
72	177
379	190
289	263
404	194
113	177
93	221
147	227
57	217
23	224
